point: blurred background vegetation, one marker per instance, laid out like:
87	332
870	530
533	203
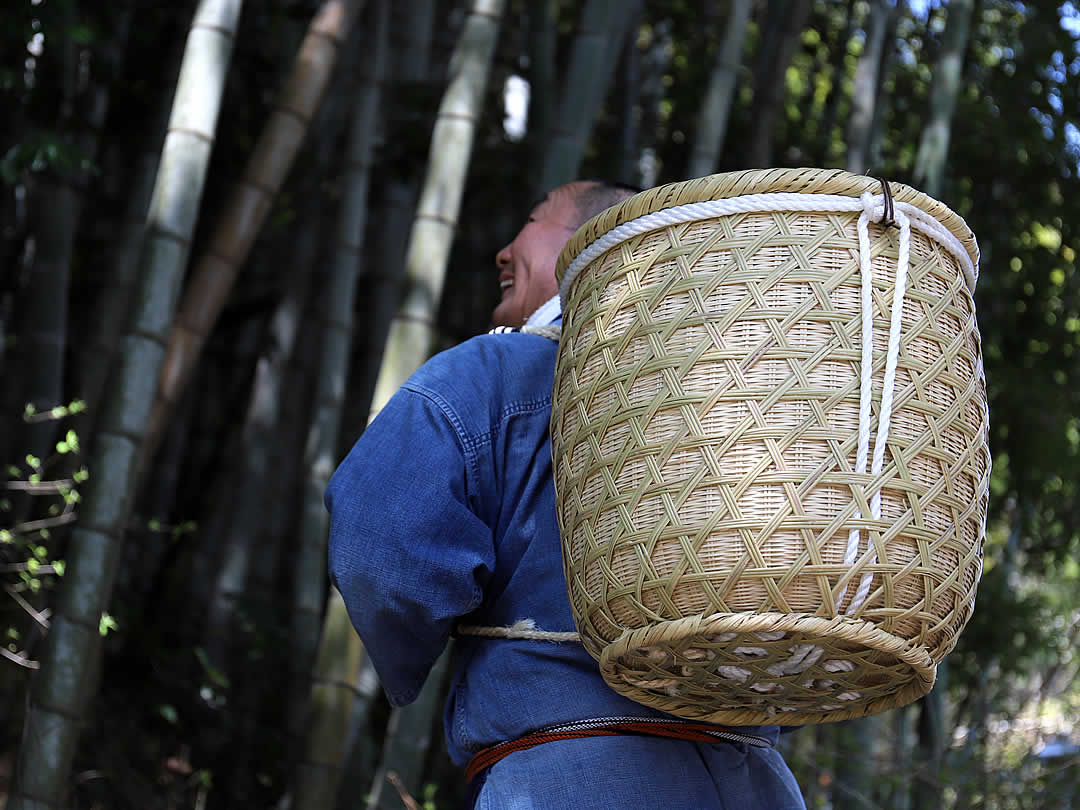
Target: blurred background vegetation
161	558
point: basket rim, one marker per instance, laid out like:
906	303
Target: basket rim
758	181
922	664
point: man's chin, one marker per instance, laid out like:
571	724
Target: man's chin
504	315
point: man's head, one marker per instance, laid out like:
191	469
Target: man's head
527	264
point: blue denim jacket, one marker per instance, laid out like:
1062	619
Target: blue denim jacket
444	513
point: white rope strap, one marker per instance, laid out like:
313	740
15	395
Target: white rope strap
551	331
805	656
765	203
521	630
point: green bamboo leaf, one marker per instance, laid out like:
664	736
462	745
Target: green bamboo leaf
215	674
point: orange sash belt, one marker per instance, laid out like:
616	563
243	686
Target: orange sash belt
612	727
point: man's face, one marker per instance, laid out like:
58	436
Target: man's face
527	265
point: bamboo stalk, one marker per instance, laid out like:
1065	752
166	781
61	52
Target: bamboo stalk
586	85
865	97
934	144
59	693
412	333
58	205
543	47
784	26
712	124
275	151
338	660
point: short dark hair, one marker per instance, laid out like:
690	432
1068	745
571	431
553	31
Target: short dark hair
599	195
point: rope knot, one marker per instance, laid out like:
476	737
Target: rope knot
870	204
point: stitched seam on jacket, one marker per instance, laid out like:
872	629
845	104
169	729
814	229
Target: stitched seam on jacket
472	442
463	437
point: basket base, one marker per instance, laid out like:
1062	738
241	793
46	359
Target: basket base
767	668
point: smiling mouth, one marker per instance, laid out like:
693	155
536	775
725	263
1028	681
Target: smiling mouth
505	283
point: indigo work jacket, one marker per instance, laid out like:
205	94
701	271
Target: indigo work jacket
444	513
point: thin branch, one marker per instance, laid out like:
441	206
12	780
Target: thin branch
56	413
47	523
406	797
43	416
41	618
15	568
41	487
18	659
1064	766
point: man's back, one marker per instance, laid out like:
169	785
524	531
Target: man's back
444	513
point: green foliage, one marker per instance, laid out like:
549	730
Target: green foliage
43	152
30	557
106	624
169	714
428	796
217	677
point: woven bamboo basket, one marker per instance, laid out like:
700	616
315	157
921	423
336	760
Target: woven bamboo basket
754	530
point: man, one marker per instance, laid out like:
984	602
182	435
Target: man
443	515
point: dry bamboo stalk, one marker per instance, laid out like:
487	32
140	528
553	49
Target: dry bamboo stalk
412	332
251	201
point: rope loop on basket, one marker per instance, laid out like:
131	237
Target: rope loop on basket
551	331
521	630
870	205
888	216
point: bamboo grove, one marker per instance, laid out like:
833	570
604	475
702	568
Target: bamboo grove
231	230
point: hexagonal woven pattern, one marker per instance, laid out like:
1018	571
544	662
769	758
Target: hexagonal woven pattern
705	441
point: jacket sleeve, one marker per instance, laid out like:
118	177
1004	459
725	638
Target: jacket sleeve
407	552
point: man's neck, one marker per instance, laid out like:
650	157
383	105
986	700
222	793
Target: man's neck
548	312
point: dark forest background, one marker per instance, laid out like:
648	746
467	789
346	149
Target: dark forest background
211	212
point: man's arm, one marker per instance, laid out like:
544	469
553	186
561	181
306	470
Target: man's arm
407	552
